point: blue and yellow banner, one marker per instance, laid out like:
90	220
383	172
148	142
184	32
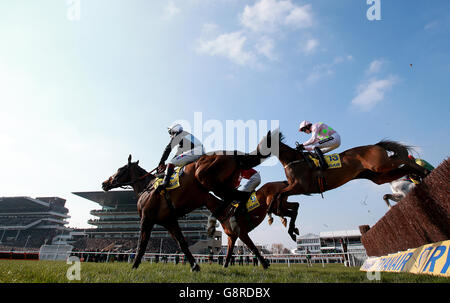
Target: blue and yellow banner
433	259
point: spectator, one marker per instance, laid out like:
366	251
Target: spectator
211	256
255	260
241	258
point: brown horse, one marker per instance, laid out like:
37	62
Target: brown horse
164	209
265	195
371	162
218	171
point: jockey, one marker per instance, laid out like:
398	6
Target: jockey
422	163
323	139
253	177
189	149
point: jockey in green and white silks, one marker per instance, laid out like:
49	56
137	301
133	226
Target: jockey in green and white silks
322	136
189	149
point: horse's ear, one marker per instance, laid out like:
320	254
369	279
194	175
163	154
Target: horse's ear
137	162
129	159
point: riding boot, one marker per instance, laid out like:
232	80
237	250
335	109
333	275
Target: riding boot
322	162
240	210
233	220
169	171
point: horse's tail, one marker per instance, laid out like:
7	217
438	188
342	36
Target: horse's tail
400	150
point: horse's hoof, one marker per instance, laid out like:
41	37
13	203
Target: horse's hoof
196	268
135	266
284	221
266	265
270	221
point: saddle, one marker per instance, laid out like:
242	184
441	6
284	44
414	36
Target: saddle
174	179
318	159
312	158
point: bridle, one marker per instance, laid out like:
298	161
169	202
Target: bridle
131	183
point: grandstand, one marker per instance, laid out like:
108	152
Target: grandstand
330	242
117	227
27	223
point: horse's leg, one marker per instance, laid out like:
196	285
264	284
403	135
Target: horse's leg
285	208
176	233
146	228
387	177
293	189
246	239
292	208
270	218
407	166
231	242
393	197
386	198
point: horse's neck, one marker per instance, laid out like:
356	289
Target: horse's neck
140	185
287	154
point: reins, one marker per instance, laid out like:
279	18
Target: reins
138	179
293	162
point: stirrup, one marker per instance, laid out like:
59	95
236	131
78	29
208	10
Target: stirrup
322	162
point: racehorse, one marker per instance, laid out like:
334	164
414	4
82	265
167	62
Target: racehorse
400	188
380	163
253	218
164	209
218	172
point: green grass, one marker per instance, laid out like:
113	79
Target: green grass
55	272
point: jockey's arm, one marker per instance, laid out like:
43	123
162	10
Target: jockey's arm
312	140
166	152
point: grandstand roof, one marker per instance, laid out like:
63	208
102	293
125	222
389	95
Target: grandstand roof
110	198
340	234
21	204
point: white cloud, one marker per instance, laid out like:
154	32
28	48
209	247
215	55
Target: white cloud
209	28
230	46
171	10
375	66
431	25
269	15
372	92
310	46
265	46
326	69
255	41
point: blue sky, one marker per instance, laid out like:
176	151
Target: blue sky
78	96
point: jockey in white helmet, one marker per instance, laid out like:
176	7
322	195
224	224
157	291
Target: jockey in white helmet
189	149
323	139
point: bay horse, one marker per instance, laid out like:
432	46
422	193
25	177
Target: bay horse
380	163
164	209
265	195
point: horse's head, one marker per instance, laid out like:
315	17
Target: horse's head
124	176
